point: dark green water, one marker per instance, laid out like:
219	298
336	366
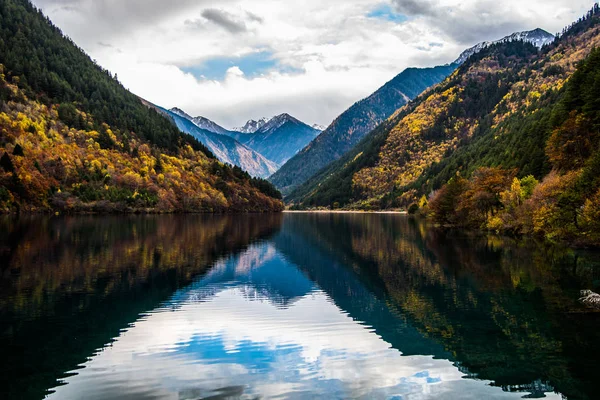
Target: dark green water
296	306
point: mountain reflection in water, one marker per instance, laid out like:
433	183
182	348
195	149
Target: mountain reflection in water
292	306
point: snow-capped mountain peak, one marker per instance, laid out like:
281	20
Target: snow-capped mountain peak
252	125
200	122
276	122
538	37
207	124
181	113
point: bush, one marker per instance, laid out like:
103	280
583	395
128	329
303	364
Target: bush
413	209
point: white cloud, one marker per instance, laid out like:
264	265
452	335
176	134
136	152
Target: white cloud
216	337
311	347
326	55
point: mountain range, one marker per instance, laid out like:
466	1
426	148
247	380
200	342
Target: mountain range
201	122
259	147
278	138
251	126
223	146
315	185
355	123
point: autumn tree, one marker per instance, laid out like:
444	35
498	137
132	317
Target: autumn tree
445	202
482	199
571	143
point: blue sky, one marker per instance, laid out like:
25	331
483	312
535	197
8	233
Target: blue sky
216	68
388	13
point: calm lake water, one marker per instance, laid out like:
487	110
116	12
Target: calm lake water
292	306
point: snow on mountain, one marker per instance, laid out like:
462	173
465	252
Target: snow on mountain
280	138
200	122
537	37
276	122
224	147
181	113
319	127
207	124
252	126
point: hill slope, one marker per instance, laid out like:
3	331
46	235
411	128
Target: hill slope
350	127
510	111
73	139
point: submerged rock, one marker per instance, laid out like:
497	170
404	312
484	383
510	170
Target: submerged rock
590	299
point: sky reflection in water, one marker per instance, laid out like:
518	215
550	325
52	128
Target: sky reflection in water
296	306
255	326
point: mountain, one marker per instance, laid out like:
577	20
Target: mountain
259	147
75	140
350	127
280	138
224	147
538	37
319	127
507	143
252	126
201	122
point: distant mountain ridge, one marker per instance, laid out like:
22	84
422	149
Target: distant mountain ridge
252	126
276	139
223	146
201	122
280	138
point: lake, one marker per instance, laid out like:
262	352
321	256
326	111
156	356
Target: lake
289	306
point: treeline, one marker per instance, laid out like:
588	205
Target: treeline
565	205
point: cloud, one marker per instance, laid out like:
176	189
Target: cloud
415	7
224	20
266	350
254	17
467	22
88	20
322	56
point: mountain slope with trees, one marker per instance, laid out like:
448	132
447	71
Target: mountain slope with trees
74	140
350	127
508	118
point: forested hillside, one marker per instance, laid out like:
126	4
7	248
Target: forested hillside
74	140
508	118
352	126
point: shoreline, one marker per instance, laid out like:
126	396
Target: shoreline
343	212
